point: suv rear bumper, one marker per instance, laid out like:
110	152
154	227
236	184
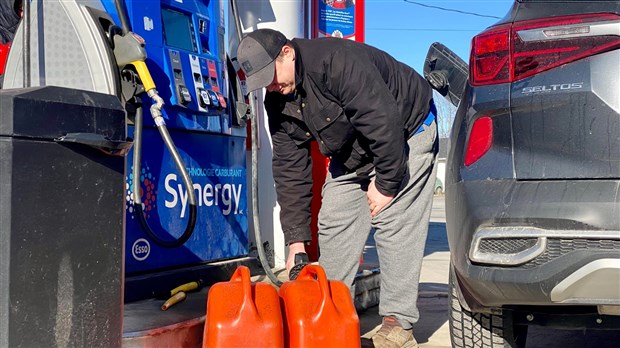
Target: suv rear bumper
581	277
597	282
523	248
536	242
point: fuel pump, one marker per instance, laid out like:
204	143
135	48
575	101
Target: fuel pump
186	56
188	48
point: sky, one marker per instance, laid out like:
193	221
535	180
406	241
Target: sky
406	30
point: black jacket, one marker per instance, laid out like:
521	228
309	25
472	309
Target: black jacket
8	20
359	103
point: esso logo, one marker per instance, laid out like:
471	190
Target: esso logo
141	249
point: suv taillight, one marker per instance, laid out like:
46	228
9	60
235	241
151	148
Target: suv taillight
490	57
480	140
510	52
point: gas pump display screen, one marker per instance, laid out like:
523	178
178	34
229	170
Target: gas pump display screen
177	29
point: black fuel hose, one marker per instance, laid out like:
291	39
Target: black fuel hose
137	203
121	10
26	18
254	131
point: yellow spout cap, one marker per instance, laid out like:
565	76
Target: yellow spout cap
178	297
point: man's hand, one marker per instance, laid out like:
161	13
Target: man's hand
376	199
293	248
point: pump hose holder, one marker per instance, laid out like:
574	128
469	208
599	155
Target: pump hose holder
98	142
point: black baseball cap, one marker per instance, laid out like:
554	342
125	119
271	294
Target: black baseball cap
257	53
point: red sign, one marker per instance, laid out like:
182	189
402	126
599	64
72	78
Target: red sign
213	75
4	54
338	18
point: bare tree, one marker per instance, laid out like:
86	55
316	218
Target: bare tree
445	115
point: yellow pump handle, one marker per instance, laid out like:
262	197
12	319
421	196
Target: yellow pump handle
144	74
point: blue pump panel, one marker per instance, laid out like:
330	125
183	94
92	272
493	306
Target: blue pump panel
185	49
186	58
216	165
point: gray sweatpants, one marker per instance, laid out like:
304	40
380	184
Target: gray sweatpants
400	228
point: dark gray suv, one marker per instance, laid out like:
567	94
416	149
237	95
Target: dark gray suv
533	174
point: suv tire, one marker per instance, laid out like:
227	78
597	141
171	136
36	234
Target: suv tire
482	330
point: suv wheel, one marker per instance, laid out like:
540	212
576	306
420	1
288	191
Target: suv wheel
469	329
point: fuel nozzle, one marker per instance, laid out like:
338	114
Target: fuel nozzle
301	261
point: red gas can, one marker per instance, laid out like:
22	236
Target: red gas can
318	312
242	314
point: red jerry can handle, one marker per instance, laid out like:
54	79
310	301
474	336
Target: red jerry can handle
316	272
242	275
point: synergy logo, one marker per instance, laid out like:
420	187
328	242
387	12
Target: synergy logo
225	195
147	192
141	249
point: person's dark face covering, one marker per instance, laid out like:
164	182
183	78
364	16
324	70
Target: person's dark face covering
10	15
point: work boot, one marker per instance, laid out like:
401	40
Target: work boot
392	335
